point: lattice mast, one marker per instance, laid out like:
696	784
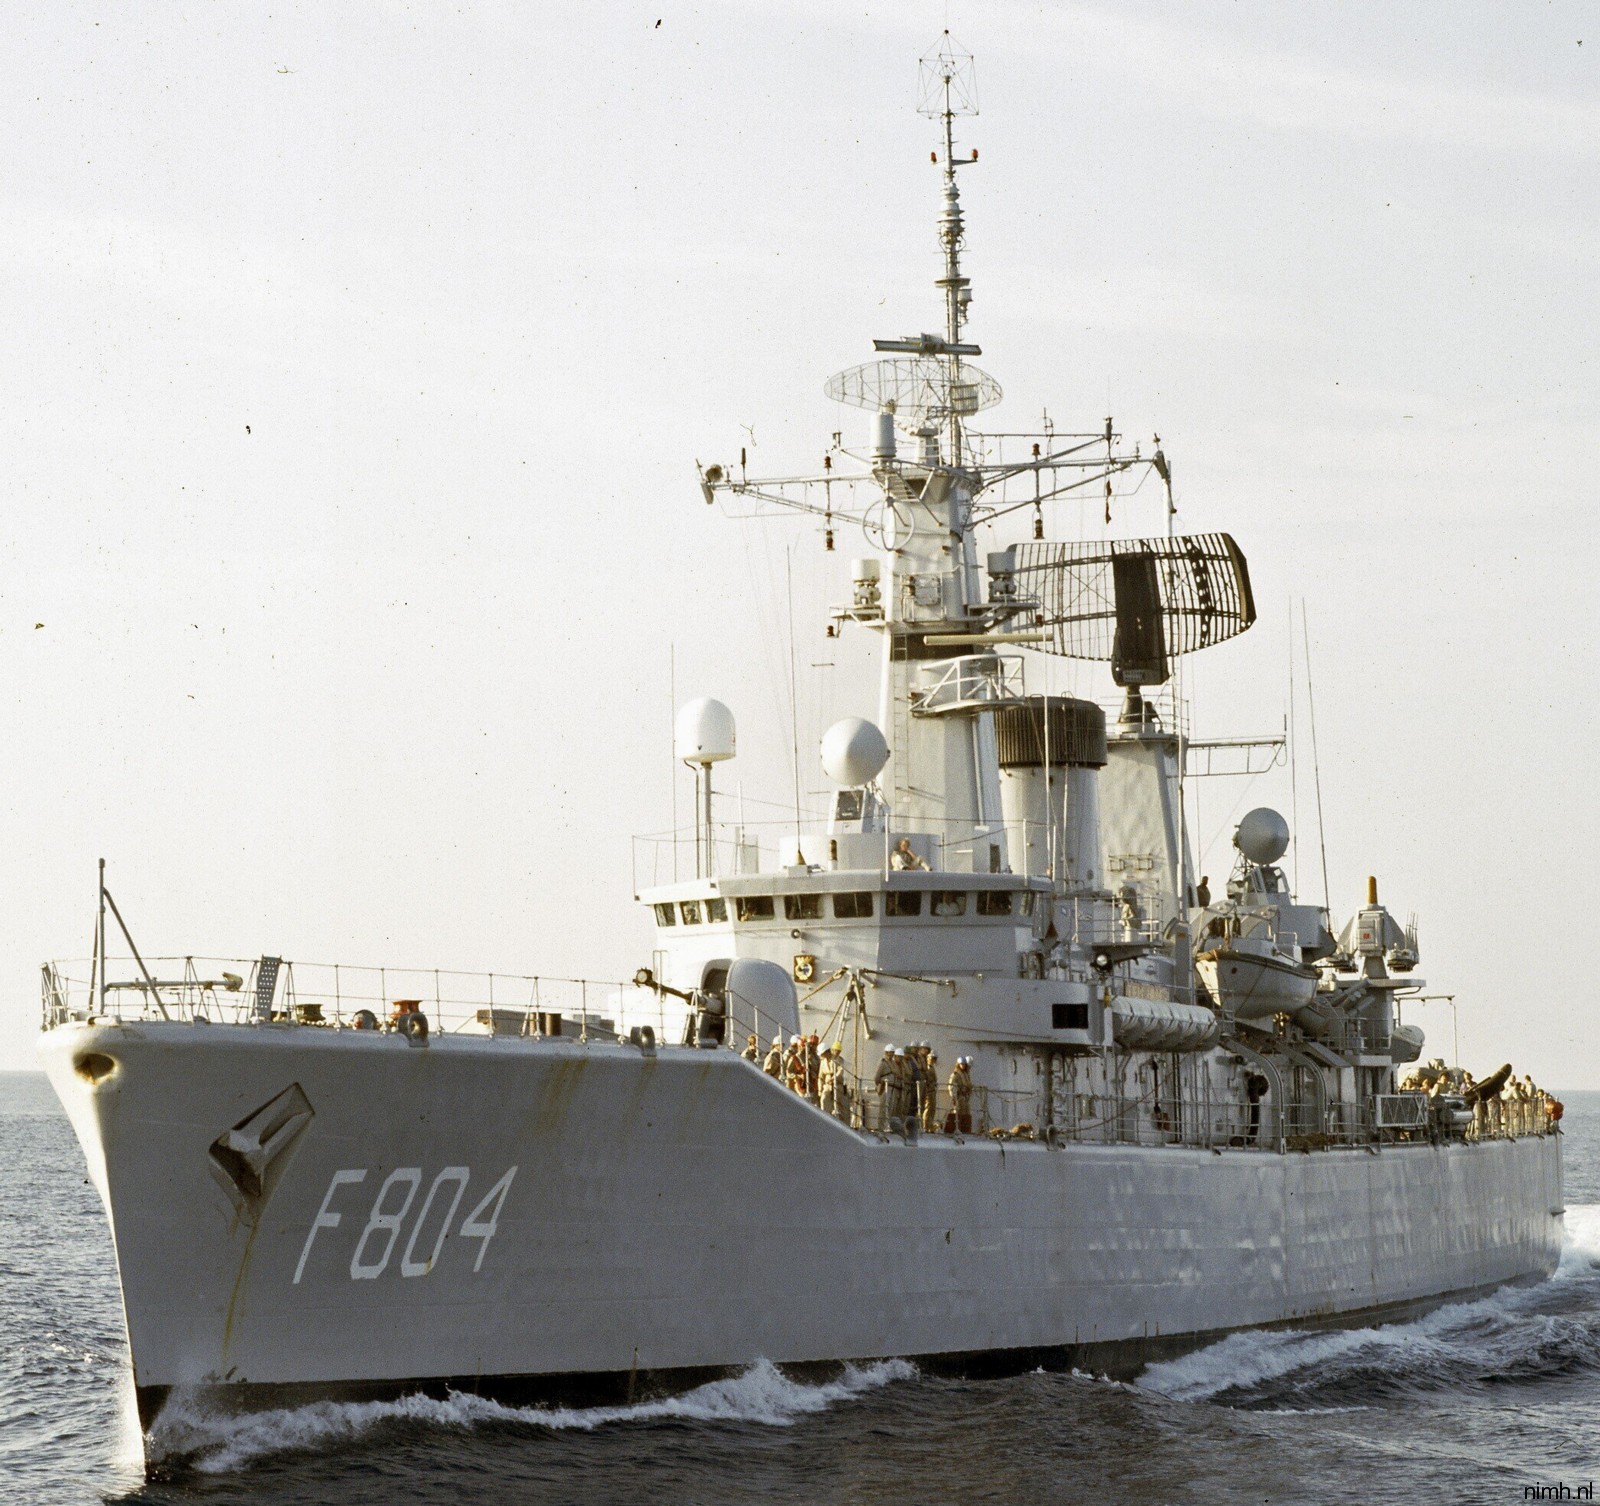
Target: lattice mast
948	89
955	93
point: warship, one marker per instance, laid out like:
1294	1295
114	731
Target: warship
973	1070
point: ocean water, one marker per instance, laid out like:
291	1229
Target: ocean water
1475	1402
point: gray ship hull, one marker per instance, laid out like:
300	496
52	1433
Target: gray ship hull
544	1218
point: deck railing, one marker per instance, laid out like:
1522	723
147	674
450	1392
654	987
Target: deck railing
339	996
243	991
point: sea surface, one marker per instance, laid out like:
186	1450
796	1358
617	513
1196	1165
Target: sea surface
1476	1402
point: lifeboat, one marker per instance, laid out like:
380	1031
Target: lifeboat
1250	978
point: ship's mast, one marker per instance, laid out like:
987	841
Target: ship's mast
957	86
951	648
949	89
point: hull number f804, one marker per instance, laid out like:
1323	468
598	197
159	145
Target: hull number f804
391	1208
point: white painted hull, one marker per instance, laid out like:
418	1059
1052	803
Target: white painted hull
681	1211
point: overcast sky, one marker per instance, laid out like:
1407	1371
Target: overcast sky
358	358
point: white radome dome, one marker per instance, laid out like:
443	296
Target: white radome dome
853	752
703	732
1262	835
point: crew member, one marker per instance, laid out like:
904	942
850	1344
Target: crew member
752	1050
842	1096
902	1089
914	1083
1255	1089
827	1082
882	1081
960	1086
903	857
773	1066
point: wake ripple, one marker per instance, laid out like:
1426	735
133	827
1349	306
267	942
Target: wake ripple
1516	1335
187	1436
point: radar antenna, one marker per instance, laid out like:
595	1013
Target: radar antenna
915	389
1138	603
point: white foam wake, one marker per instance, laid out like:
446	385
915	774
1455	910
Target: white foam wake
1247	1362
1517	1331
1580	1254
215	1443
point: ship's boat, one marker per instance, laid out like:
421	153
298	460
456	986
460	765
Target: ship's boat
1250	977
1254	948
973	1054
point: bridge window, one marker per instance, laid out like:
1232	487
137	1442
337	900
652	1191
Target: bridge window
802	907
994	902
903	902
852	906
666	915
691	912
754	907
949	902
1025	902
716	910
1069	1016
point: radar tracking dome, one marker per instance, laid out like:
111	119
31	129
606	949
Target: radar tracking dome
703	732
1262	835
853	752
